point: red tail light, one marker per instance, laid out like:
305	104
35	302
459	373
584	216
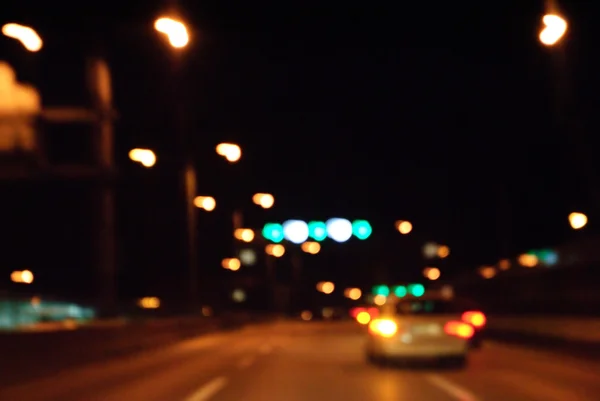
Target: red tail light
474	318
459	329
355	311
373	312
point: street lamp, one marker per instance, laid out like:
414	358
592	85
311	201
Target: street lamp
175	30
207	203
276	250
24	34
22	276
229	151
311	247
266	201
577	220
554	29
145	157
403	226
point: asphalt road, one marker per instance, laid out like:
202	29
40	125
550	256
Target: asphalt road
297	361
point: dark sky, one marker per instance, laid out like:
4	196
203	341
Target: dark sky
443	114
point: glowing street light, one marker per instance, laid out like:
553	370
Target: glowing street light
443	251
207	203
431	273
353	293
145	157
403	226
266	201
311	247
229	151
24	34
22	276
577	220
244	234
175	30
487	272
276	250
232	264
554	29
326	287
149	303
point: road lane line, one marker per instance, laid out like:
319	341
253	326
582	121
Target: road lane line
246	362
208	390
451	388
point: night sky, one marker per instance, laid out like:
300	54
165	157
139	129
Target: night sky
453	117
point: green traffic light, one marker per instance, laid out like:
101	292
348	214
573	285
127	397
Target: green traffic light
400	291
317	230
361	229
416	290
381	290
273	232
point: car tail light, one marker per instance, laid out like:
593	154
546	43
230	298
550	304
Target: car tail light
474	318
355	311
373	312
383	327
459	329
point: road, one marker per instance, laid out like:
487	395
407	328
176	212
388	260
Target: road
297	361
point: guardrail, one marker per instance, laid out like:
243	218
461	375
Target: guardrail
575	336
30	354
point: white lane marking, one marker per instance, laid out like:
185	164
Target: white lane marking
265	349
208	390
451	388
246	362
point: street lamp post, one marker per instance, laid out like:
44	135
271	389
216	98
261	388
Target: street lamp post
178	37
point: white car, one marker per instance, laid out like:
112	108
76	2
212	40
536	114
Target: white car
420	328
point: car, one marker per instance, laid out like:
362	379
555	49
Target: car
424	328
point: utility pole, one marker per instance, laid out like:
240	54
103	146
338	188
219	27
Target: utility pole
101	174
100	87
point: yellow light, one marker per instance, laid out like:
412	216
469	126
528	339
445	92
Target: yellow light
527	260
229	151
404	227
244	234
443	251
554	29
363	317
149	303
311	247
487	272
577	220
24	34
207	203
432	273
232	264
383	327
353	293
379	300
276	250
176	31
145	157
504	264
327	287
266	201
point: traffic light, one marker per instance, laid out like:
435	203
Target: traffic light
273	232
416	290
381	290
361	229
400	291
317	230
